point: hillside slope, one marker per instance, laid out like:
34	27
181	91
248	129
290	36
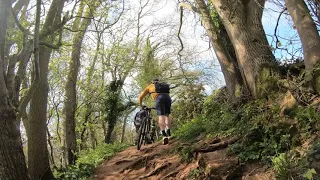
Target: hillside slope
201	160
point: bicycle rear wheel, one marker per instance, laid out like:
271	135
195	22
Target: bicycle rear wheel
142	133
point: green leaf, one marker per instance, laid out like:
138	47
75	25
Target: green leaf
309	174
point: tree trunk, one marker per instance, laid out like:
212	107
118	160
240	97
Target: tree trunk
124	127
242	20
112	107
13	162
89	110
226	58
125	123
38	156
70	104
111	117
103	125
70	99
112	120
12	159
309	37
93	137
83	137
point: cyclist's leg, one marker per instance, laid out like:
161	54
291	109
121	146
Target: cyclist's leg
168	124
168	112
167	117
160	107
160	112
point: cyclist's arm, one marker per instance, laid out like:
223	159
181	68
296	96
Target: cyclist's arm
143	94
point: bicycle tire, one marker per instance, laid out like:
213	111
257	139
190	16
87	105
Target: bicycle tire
141	134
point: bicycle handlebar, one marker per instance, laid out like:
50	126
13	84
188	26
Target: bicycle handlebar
149	108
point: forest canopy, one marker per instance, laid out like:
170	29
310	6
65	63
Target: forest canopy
71	70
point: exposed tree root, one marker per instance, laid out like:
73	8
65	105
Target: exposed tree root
215	141
172	174
137	164
157	170
122	161
160	162
214	147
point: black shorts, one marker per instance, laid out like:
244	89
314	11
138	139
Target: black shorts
163	104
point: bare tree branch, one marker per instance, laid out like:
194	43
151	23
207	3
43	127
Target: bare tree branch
188	6
49	45
276	28
16	20
55	28
179	31
25	100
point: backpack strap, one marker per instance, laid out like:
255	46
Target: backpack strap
154	89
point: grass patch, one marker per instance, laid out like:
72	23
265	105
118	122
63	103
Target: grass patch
88	161
263	133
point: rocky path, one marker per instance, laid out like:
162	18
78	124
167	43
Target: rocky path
201	160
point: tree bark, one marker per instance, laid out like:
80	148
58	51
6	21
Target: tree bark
83	137
125	123
309	37
11	26
12	159
38	156
112	107
93	137
124	127
226	58
111	116
14	79
70	104
104	127
19	5
88	109
242	20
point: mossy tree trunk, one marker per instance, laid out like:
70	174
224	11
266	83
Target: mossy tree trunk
70	104
226	56
112	107
88	96
309	37
12	159
38	155
242	20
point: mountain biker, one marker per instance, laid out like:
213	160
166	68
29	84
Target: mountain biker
162	105
138	118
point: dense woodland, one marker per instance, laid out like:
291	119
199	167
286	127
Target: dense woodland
71	72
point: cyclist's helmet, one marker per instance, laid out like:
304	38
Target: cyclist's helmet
155	80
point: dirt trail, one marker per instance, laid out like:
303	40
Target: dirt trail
157	161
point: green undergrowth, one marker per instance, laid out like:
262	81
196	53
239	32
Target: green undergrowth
196	174
88	160
265	136
185	153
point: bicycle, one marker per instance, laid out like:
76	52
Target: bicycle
145	128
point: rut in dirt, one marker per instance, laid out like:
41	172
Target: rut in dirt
202	160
